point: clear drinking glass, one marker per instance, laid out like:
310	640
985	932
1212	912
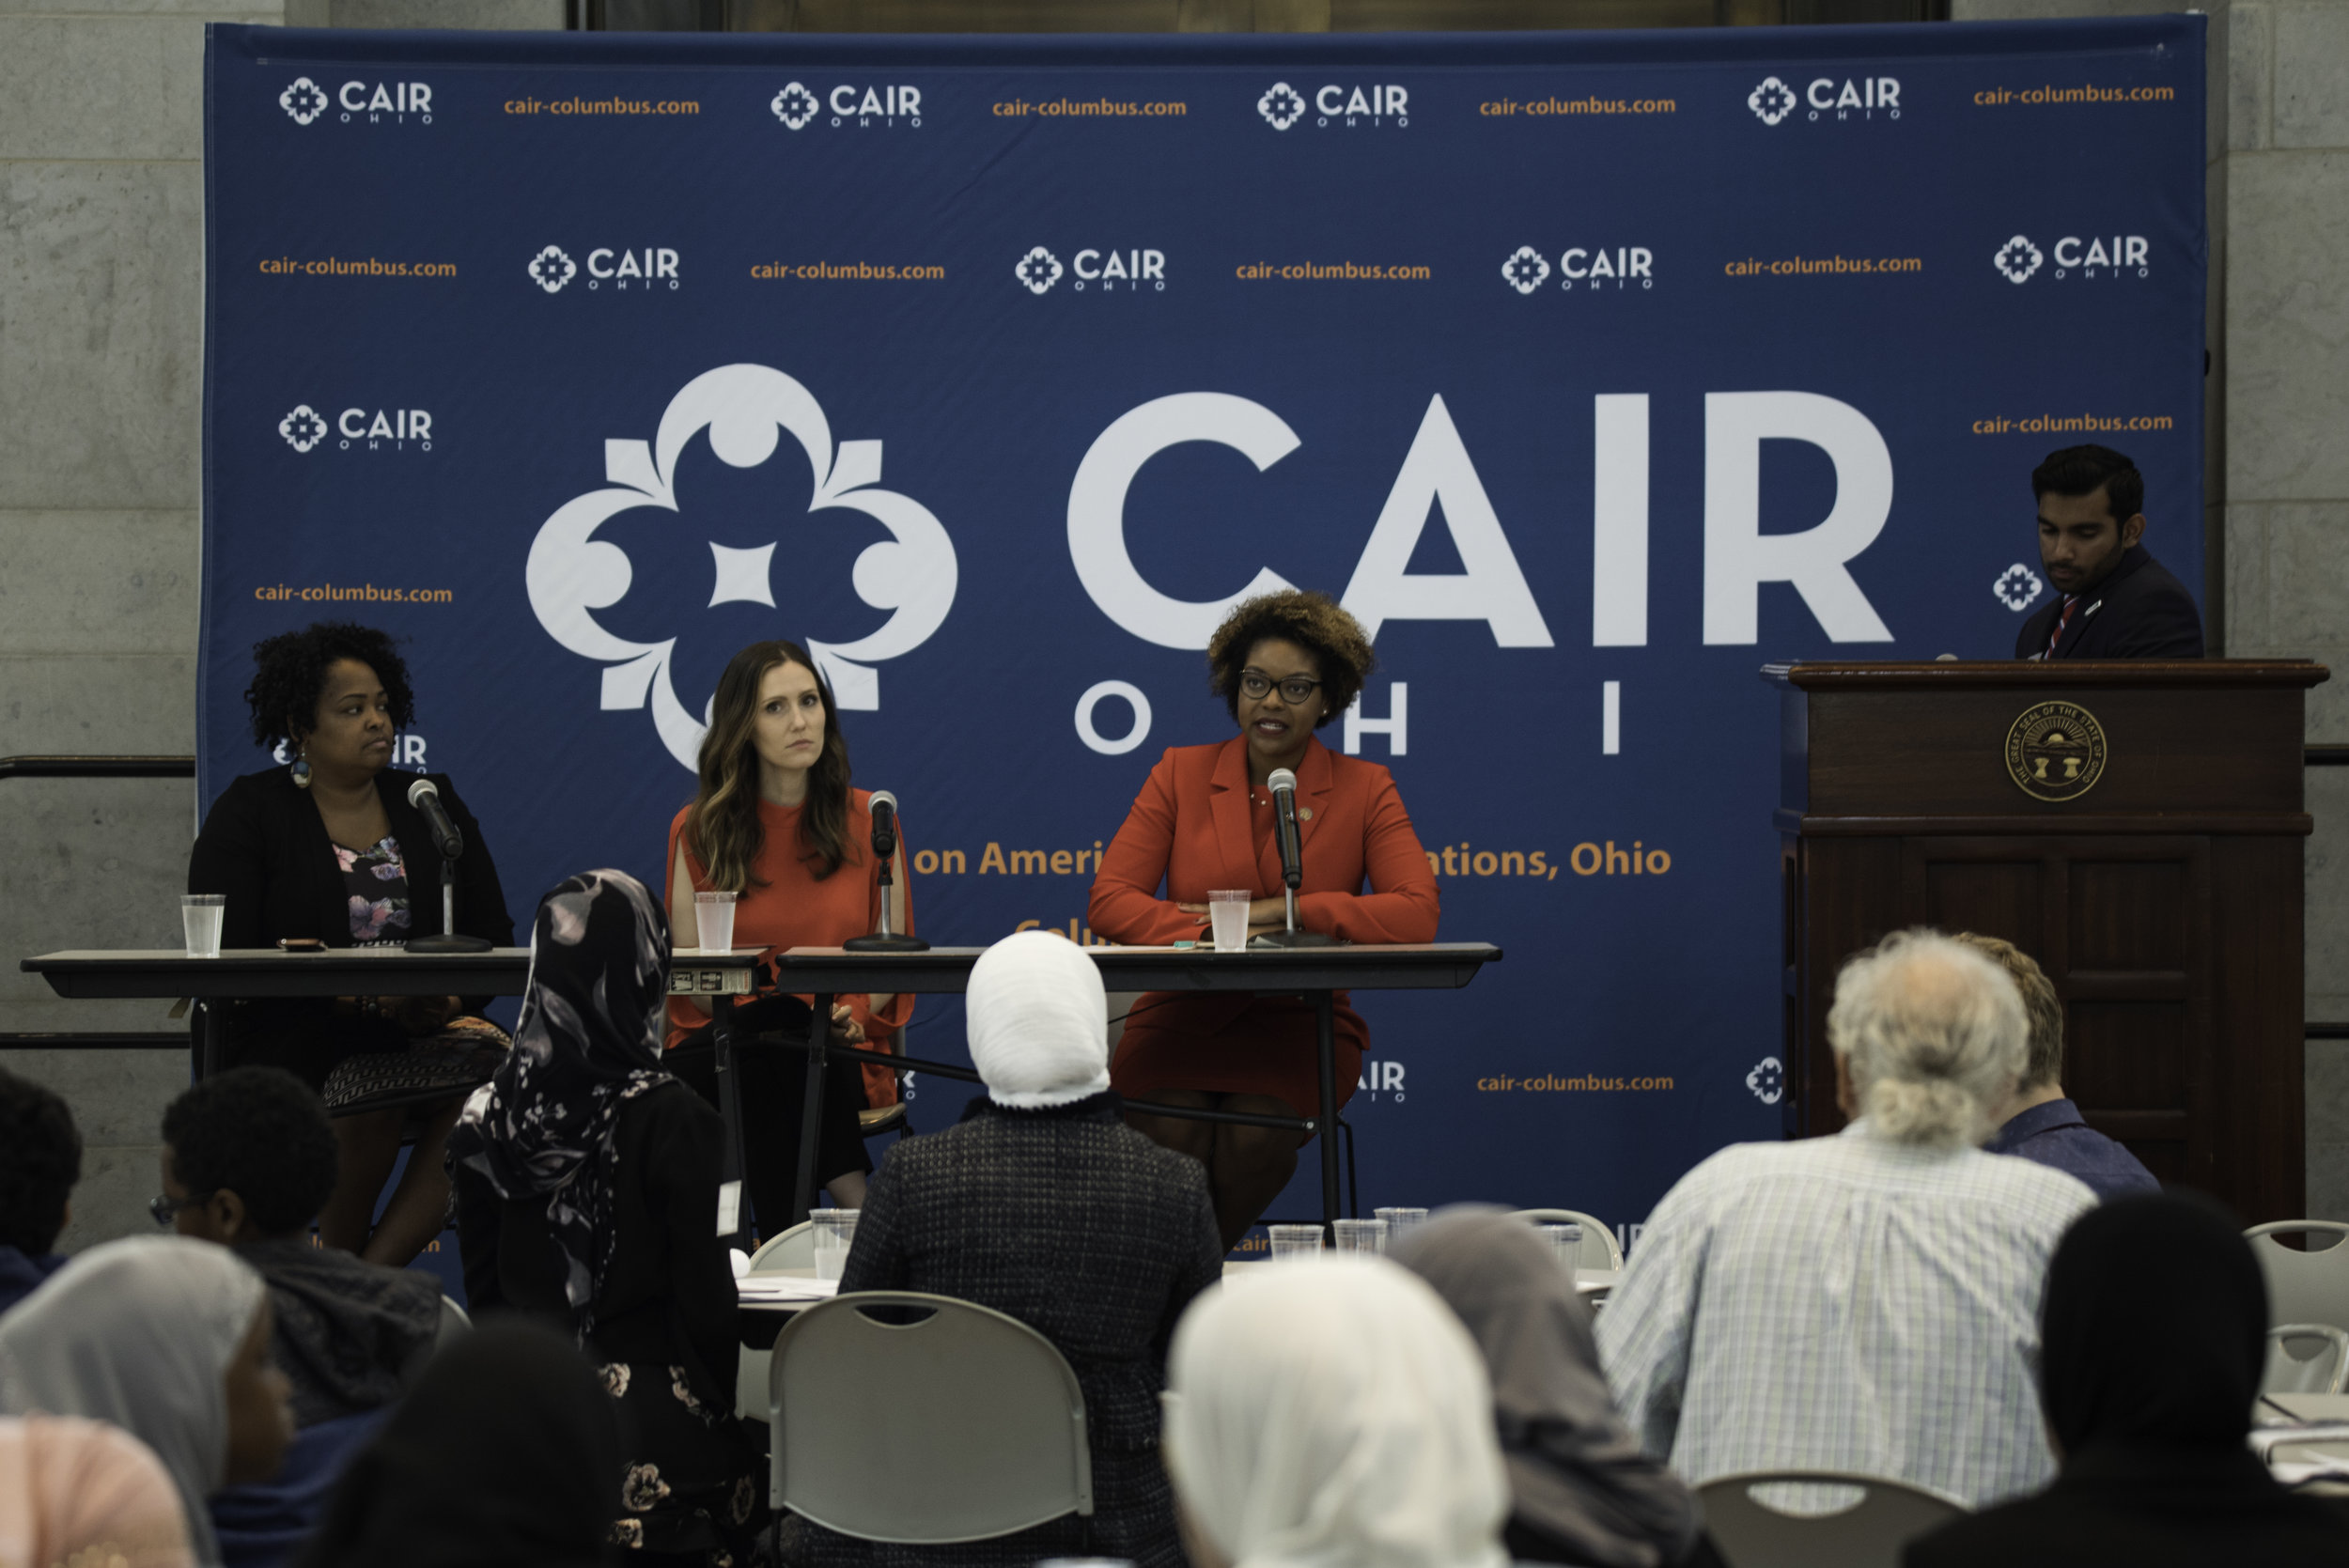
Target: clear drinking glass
1399	1222
200	914
1228	917
834	1231
1361	1235
713	921
1294	1241
1567	1242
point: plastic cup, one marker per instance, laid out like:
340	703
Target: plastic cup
713	920
1567	1242
200	914
1399	1222
1361	1235
1294	1241
834	1233
1228	916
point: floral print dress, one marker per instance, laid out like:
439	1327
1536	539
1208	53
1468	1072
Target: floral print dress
693	1487
377	880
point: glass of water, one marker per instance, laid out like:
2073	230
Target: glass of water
1294	1241
835	1233
200	914
1361	1235
1565	1241
713	922
1399	1222
1228	917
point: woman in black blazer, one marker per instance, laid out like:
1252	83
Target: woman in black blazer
328	848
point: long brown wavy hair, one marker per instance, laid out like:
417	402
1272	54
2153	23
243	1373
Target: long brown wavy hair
724	831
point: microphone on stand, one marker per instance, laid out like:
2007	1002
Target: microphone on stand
1283	786
425	796
884	809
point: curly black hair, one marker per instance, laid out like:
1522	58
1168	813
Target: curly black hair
289	677
41	1159
1315	622
261	1133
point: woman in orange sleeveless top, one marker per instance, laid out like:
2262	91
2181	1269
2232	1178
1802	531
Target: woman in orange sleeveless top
776	823
1285	664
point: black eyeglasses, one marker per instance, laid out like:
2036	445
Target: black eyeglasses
1253	684
163	1208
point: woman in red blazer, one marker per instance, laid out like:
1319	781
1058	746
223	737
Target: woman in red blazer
1285	664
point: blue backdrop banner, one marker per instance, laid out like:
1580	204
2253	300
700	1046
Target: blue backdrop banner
1592	370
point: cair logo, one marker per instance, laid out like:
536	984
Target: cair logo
358	102
1595	267
1375	104
1774	102
2113	255
305	429
800	106
1380	1077
649	267
1108	270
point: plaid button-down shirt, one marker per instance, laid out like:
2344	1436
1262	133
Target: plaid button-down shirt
1844	1304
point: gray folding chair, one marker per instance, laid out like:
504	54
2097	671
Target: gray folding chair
1870	1534
2306	1358
2304	1287
962	1426
1600	1249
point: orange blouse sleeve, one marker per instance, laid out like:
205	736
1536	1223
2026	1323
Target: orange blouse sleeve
1126	906
1401	906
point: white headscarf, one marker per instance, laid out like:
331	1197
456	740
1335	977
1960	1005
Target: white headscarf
140	1334
1039	1021
1333	1413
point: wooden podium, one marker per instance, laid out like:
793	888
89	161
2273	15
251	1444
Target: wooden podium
2136	827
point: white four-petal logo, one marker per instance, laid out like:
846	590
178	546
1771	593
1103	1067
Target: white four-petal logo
303	99
1525	269
795	105
2017	586
745	409
2017	260
1039	269
551	269
1767	1080
1281	104
1773	100
303	429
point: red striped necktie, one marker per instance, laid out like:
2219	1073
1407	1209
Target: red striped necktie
2071	602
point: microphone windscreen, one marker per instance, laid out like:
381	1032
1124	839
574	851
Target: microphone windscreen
883	798
1282	779
421	791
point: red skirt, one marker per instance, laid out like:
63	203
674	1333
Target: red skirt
1234	1044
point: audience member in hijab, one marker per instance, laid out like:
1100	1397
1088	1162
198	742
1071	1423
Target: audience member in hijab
248	1160
1043	1204
1334	1411
167	1339
41	1159
1581	1490
587	1196
506	1454
87	1495
2154	1335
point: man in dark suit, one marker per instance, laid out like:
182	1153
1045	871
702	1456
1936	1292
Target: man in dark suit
2114	601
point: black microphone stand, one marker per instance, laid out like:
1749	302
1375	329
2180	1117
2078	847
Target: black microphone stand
450	940
883	939
1292	874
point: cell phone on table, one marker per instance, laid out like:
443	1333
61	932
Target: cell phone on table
301	944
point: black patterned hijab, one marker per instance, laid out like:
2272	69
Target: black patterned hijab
589	1041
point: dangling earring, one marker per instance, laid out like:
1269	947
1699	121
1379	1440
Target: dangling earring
302	769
